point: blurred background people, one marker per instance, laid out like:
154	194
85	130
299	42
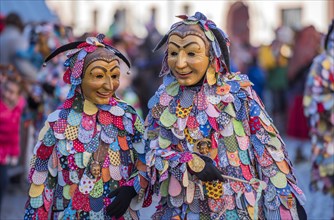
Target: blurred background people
244	56
306	47
274	59
148	64
11	108
12	42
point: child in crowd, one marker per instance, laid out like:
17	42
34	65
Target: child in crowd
11	107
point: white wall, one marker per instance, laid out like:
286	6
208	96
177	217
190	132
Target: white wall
264	15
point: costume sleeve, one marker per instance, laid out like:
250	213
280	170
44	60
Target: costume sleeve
268	159
138	177
165	157
42	175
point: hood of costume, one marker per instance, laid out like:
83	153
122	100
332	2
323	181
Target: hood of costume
244	143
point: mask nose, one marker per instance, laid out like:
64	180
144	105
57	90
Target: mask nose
181	61
108	85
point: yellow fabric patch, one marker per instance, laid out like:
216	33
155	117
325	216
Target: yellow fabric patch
89	108
43	131
182	112
211	76
36	190
114	157
71	132
214	189
197	164
188	137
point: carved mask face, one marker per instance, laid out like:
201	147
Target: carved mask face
100	81
187	58
95	169
203	149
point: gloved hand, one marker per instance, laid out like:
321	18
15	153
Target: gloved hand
120	204
210	171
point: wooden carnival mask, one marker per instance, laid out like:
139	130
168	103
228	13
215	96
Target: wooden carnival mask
188	56
101	77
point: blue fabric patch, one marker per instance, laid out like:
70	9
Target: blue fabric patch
41	165
49	138
104	107
75	81
205	129
254	108
237	103
85	136
259	147
241	114
64	113
235	86
96	204
115	145
71	92
105	138
168	79
92	146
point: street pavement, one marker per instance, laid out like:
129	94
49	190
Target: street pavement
318	206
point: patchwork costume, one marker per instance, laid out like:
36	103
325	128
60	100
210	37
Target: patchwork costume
318	104
85	151
221	121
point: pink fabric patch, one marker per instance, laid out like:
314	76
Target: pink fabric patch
201	101
88	122
60	126
285	213
78	146
44	152
192	122
77	69
165	99
105	117
246	172
90	49
118	122
68	103
67	76
71	162
213	123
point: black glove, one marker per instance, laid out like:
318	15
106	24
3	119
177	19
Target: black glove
301	211
122	201
210	171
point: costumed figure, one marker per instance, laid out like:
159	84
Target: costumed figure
89	162
214	152
318	104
